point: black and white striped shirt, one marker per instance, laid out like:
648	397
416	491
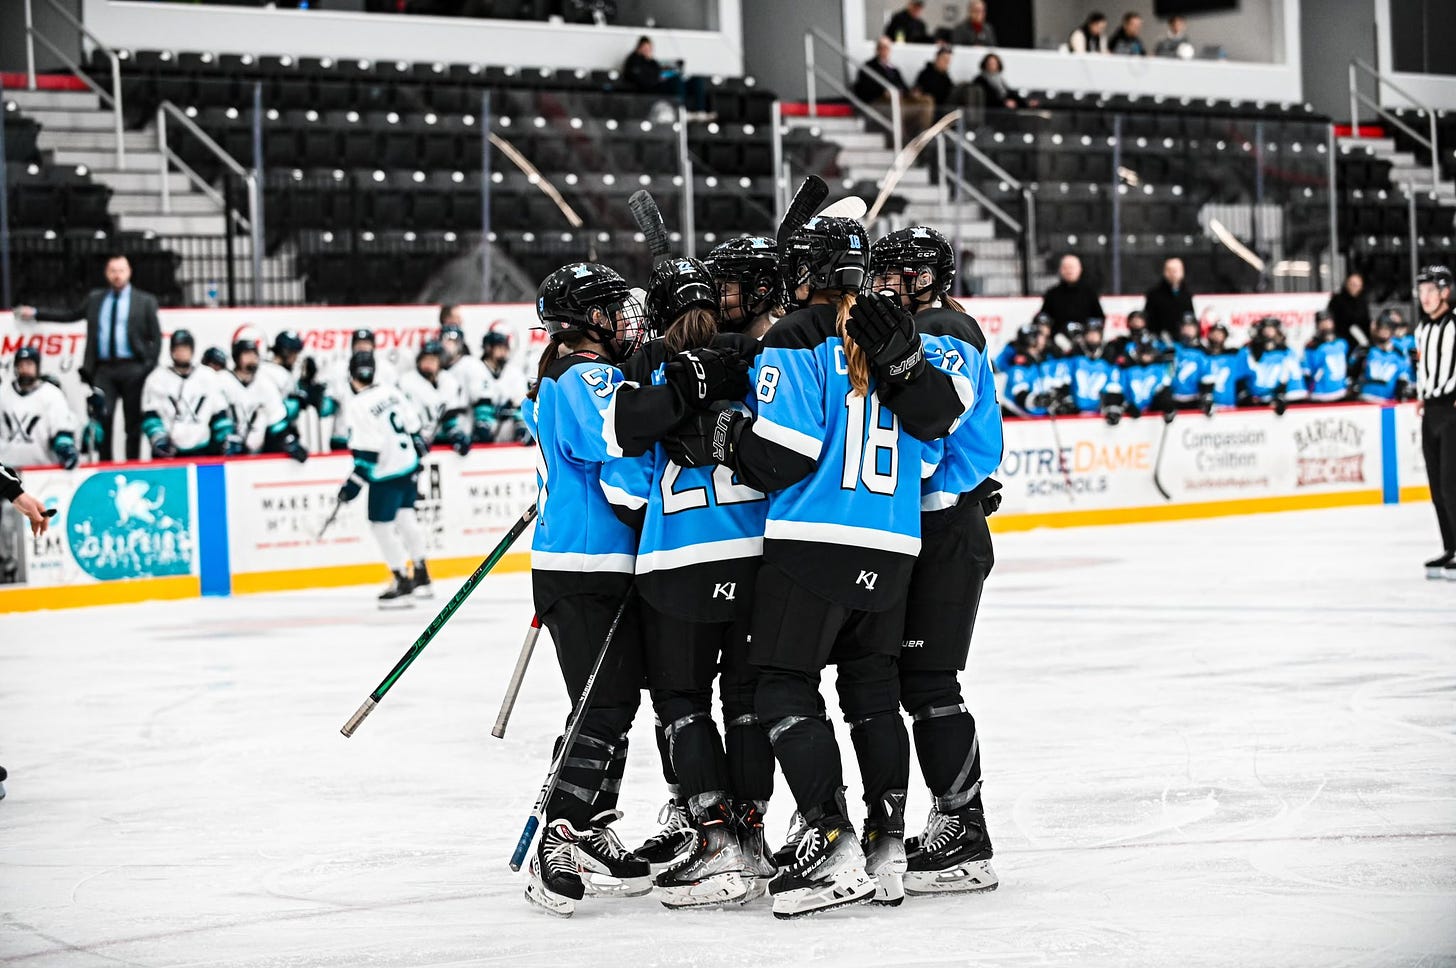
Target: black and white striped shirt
1436	341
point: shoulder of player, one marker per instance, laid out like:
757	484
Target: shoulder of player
644	362
944	321
803	329
741	343
576	361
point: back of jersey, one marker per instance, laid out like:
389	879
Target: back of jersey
382	425
1189	364
955	344
850	530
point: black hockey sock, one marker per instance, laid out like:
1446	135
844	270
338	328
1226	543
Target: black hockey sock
750	756
664	755
694	746
788	706
579	788
945	739
612	782
869	695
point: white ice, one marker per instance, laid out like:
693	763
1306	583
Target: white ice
1226	742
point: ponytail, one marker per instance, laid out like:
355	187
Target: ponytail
951	302
549	355
854	354
694	329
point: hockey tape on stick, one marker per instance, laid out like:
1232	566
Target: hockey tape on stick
905	159
573	729
851	206
375	697
807	199
649	219
513	689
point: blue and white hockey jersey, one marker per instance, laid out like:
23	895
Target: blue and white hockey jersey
1226	371
1326	367
1190	363
972	451
1090	379
1271	370
1381	372
1027	379
1142	381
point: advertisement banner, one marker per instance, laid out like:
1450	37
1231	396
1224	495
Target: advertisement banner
1410	460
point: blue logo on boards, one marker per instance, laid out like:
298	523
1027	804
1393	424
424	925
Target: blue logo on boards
132	524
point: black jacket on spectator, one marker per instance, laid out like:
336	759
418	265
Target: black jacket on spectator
1075	303
1165	308
992	96
1124	43
642	73
143	330
865	87
911	27
966	35
935	83
1347	310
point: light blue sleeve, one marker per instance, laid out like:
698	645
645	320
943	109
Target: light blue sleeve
788	388
589	391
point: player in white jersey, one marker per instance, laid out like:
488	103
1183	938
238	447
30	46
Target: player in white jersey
471	376
260	418
36	424
337	388
283	371
505	387
184	412
384	437
438	400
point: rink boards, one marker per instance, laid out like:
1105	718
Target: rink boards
136	532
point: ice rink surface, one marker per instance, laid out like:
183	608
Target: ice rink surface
1225	742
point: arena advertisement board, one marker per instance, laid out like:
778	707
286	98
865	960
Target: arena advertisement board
1410	459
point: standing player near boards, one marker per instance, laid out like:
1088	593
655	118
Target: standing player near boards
1436	385
954	853
700	537
36	424
384	438
337	386
292	381
505	388
843	530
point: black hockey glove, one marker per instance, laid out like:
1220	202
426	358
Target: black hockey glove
96	405
295	449
707	437
991	503
66	453
704	375
1280	403
351	489
162	445
460	442
421	448
886	332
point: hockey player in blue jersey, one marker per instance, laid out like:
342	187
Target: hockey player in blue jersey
1271	370
1327	362
1224	374
1146	378
954	853
750	289
1382	372
842	474
1095	380
1123	347
1190	364
1034	381
1402	335
1042	323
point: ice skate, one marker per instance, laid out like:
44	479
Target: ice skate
397	595
1442	568
553	882
673	842
713	872
423	587
955	856
828	871
758	866
784	856
884	849
607	868
3	777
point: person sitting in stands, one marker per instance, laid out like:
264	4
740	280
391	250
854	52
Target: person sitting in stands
1128	39
917	111
907	26
1089	37
1176	43
975	30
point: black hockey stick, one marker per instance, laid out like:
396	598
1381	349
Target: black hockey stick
573	729
649	219
1158	462
439	620
1061	464
513	689
807	200
329	521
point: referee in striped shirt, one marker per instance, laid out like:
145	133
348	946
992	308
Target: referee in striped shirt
1436	384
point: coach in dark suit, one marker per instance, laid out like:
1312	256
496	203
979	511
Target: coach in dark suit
123	341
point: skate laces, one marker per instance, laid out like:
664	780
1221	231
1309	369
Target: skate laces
810	845
605	838
797	828
941	829
674	821
560	855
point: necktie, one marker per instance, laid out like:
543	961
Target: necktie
115	301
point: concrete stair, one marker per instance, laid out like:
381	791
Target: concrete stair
1406	172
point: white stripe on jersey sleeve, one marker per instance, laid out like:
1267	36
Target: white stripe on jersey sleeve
795	440
622	498
580	561
824	532
938	501
697	554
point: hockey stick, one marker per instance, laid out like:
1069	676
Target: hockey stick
328	522
807	199
1158	463
905	159
439	621
1061	464
517	676
649	219
851	206
573	729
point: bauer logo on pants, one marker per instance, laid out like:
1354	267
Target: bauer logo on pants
132	524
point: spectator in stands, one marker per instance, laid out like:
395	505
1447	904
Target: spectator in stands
1072	299
992	84
907	26
934	81
917	111
975	30
450	316
1168	302
1128	39
123	341
1089	38
1176	40
644	73
1350	307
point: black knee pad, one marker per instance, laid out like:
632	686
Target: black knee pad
923	690
671	705
868	686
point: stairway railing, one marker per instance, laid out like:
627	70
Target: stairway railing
111	99
1358	97
813	71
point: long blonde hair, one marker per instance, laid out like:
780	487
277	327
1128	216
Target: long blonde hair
854	354
694	329
952	303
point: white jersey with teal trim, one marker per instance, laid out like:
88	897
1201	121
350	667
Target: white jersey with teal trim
30	422
185	405
432	401
382	424
257	407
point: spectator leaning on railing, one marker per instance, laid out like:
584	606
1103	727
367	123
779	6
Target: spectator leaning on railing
1175	43
643	72
975	30
1128	38
1090	37
917	111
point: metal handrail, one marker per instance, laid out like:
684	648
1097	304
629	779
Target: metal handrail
1357	98
811	70
112	100
984	200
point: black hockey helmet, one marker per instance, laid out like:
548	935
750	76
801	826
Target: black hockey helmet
1320	315
753	262
214	357
1026	336
1438	275
361	367
591	299
452	331
287	341
911	251
1137	314
361	335
1392	317
242	346
182	337
431	347
1217	326
676	286
28	353
494	338
826	253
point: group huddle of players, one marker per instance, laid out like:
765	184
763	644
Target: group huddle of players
781	463
1084	372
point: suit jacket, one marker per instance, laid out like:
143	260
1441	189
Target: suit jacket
143	329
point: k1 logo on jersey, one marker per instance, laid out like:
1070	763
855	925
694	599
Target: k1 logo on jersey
868	579
726	590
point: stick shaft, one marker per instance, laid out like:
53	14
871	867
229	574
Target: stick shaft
513	689
330	519
445	613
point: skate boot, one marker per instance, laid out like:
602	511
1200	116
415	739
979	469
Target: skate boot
884	848
3	777
1443	567
397	595
784	856
670	844
713	872
955	856
607	868
827	872
554	883
423	587
758	867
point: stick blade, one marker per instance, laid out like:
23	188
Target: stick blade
807	199
851	206
649	219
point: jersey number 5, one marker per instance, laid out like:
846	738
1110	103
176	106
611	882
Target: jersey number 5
868	445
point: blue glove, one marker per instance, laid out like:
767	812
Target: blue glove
351	489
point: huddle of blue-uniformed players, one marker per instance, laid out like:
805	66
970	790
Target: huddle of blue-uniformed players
1140	372
782	464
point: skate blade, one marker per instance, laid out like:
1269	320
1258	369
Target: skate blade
857	889
720	889
394	604
602	885
426	592
973	877
1435	574
889	889
757	888
541	901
